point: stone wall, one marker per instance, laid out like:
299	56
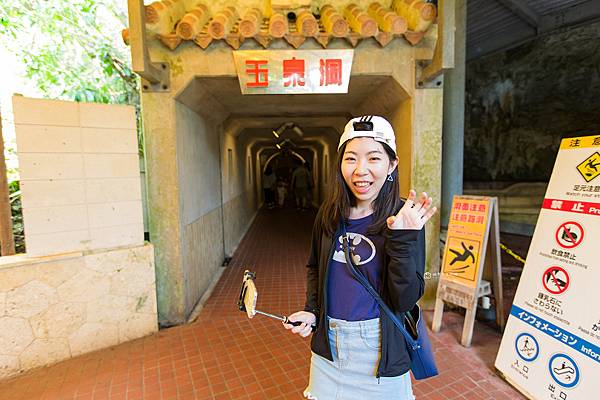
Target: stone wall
520	102
57	307
203	255
238	214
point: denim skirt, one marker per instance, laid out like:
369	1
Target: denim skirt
356	350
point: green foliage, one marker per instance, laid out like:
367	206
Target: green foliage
71	49
14	191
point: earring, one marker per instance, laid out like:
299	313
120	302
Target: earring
390	178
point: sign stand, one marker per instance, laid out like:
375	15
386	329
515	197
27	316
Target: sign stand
471	262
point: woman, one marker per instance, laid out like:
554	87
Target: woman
357	352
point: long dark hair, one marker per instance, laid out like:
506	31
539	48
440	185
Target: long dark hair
340	199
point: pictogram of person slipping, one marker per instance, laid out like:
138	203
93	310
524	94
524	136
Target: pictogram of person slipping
463	256
591	165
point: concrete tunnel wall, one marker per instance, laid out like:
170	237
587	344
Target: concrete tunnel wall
239	196
199	202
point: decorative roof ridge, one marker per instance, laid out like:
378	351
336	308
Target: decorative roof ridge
169	22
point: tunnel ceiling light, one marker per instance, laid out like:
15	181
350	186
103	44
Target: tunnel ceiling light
298	130
285	143
279	131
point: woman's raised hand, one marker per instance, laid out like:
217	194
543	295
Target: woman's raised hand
413	215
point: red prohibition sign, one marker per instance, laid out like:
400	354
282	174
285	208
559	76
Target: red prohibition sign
555	280
564	234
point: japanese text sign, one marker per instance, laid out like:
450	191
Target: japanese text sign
293	71
466	233
551	345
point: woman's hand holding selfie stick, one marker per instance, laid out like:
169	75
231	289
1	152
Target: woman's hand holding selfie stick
307	319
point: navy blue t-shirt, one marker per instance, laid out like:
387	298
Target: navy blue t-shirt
347	298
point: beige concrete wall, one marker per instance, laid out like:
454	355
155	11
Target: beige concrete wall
163	203
57	307
239	198
79	171
426	173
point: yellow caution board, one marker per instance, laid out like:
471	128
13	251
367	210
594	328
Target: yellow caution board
466	233
473	229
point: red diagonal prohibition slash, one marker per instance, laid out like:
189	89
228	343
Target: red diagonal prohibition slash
568	232
555	279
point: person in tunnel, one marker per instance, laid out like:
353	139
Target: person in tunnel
357	351
268	183
301	184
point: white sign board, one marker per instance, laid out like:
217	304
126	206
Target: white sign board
293	71
550	348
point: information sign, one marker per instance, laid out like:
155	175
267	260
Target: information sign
555	307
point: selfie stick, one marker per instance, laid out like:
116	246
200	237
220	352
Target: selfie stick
247	301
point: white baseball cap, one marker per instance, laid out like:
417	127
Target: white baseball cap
371	126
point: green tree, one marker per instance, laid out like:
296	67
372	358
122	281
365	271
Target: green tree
71	49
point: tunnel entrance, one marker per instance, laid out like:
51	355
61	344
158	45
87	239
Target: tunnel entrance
207	146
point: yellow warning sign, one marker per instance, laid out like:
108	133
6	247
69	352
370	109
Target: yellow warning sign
471	264
461	258
580	142
590	167
469	221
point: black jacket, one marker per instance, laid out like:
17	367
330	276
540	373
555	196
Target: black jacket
403	285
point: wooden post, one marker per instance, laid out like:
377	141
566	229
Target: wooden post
140	59
497	272
443	55
7	242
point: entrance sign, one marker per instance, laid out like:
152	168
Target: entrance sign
473	229
293	71
556	301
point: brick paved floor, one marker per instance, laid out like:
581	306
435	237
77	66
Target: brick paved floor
224	355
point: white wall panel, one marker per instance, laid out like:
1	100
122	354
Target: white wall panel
80	178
